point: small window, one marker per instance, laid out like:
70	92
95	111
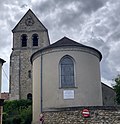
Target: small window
35	39
29	73
24	40
67	72
29	96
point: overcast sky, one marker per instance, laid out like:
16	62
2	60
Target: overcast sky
91	22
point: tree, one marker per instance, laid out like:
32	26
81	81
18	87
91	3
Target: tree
117	89
17	112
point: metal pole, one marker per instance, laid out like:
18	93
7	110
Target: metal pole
41	82
85	121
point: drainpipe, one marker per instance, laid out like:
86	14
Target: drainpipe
41	99
19	80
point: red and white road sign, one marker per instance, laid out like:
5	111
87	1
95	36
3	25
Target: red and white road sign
86	113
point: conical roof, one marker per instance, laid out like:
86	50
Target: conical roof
64	42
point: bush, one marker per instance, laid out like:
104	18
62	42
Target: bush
17	112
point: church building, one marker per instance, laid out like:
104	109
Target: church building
63	74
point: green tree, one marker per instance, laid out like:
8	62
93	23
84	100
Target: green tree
117	89
17	112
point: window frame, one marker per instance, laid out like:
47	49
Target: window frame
60	73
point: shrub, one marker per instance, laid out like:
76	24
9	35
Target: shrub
17	112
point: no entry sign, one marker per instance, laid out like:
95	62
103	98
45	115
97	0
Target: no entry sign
85	113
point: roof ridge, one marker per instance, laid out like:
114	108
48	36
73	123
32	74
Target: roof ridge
66	41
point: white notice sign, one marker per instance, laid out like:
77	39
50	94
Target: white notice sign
68	94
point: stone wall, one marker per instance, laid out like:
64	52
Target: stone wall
98	115
20	65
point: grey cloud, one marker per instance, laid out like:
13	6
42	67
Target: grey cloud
24	6
70	19
45	6
101	30
91	5
86	5
67	17
107	72
99	44
5	42
116	36
114	55
95	41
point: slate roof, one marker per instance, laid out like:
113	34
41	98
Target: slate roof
66	42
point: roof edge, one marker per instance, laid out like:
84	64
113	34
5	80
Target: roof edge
69	45
13	30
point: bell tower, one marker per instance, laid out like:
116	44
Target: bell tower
29	35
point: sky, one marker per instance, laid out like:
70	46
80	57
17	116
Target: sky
95	23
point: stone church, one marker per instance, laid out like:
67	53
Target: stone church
29	35
63	74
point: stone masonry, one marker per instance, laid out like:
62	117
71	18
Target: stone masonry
20	66
98	115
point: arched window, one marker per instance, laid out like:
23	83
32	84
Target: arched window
24	40
29	96
35	39
67	72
